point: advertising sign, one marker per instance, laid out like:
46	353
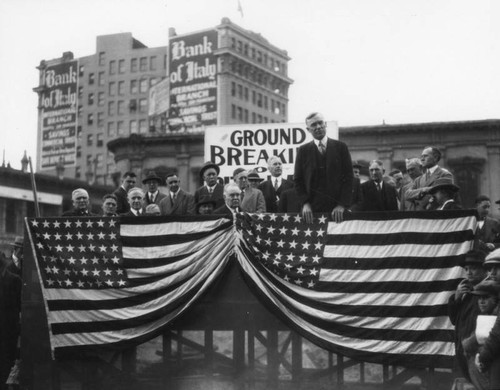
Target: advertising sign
193	79
59	114
250	146
158	98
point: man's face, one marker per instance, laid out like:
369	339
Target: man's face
128	182
486	303
232	198
210	177
275	168
398	179
81	202
207	208
152	185
356	172
135	199
483	208
173	183
474	273
242	180
317	126
414	171
109	206
376	172
427	158
254	183
494	272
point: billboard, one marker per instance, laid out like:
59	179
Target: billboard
193	79
158	98
59	102
249	146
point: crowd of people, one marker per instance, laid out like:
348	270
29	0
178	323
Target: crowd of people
326	180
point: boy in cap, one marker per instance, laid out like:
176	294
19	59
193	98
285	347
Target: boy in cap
81	204
462	305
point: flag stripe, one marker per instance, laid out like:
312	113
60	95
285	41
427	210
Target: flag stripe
357	263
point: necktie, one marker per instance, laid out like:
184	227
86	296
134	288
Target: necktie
276	185
378	186
427	175
210	190
242	195
321	148
152	198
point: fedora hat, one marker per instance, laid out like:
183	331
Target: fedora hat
207	165
443	184
152	176
252	175
205	200
18	242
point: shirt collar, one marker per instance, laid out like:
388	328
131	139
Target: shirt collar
431	170
323	141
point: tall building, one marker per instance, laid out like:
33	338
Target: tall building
222	75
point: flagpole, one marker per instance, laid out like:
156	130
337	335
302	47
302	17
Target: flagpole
33	187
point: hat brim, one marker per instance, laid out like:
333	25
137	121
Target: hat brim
451	187
155	178
208	166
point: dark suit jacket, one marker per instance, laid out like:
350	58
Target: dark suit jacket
272	196
130	213
122	205
76	213
338	172
289	202
217	195
489	233
357	195
373	200
158	198
224	210
415	194
184	204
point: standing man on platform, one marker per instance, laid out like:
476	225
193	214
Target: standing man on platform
178	201
252	199
135	199
128	182
275	185
323	173
212	189
152	182
81	204
419	191
377	194
414	170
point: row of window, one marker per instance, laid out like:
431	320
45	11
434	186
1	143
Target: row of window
251	73
258	55
242	115
258	99
117	108
142	64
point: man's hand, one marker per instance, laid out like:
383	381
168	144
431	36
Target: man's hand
307	212
462	288
338	214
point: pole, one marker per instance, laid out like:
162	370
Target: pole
33	187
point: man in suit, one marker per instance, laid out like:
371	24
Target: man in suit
178	201
152	181
135	197
444	192
323	173
109	203
209	172
356	186
419	191
81	204
128	182
378	195
488	229
252	200
414	170
275	185
232	194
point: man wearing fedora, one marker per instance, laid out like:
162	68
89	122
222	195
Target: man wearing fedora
252	200
16	258
254	180
444	192
178	201
152	181
209	173
275	185
419	191
81	204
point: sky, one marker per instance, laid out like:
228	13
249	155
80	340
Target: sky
359	62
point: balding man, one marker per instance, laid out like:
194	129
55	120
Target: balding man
135	197
81	204
232	193
419	191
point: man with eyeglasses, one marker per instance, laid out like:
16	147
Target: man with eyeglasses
177	201
323	173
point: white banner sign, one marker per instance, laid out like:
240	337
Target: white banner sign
249	146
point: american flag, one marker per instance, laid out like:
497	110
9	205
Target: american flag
374	288
111	281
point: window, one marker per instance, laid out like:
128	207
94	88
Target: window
259	118
80	109
133	126
121	107
111	129
133	65
132	105
100	119
78	172
90	139
246	94
233	43
246	116
90	160
112	88
100	160
240	91
233	88
143	86
121	66
152	63
240	46
100	139
111	108
121	88
259	100
82	70
233	111
101	78
91	99
240	113
133	86
80	92
90	119
78	151
265	103
91	78
100	99
143	64
143	105
254	117
120	128
245	49
143	128
112	67
79	133
254	97
102	58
